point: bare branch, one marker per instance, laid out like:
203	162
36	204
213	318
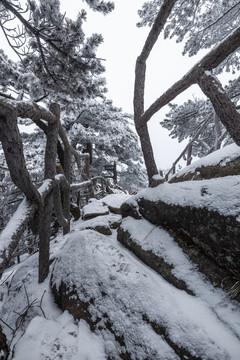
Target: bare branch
209	62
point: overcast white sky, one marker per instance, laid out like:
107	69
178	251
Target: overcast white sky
123	42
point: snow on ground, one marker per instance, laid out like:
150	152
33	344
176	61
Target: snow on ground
155	239
57	336
94	207
198	324
115	200
61	338
5	237
219	194
207	324
220	157
101	220
24	209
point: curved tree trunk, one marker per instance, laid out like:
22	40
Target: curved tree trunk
13	151
223	106
46	211
147	152
140	74
196	75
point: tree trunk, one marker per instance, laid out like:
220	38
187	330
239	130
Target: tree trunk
217	129
46	211
66	193
140	74
223	106
13	151
45	219
210	61
147	152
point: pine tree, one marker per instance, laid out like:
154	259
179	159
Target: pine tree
56	58
109	131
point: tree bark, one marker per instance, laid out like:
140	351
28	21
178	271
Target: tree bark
140	74
147	152
208	62
46	211
10	236
13	151
45	218
223	106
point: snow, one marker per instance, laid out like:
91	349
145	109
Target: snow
14	223
207	324
220	194
90	261
102	220
115	200
94	208
157	177
152	238
220	157
59	339
47	184
23	210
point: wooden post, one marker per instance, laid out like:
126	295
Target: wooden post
115	172
102	187
189	154
47	209
89	151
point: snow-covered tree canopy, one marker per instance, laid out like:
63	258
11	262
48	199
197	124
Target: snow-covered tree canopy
201	24
184	121
110	133
56	58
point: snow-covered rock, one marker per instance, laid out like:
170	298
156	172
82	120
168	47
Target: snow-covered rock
175	258
137	313
103	224
114	202
94	208
207	211
220	163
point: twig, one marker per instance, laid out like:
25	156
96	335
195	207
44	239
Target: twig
7	278
7	324
40	305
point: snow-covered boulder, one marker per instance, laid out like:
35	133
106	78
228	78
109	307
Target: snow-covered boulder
173	257
154	246
220	163
206	211
93	209
102	224
114	202
137	313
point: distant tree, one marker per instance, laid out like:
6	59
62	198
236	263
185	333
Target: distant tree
203	23
108	130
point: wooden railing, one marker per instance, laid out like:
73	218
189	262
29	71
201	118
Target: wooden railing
88	189
37	207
